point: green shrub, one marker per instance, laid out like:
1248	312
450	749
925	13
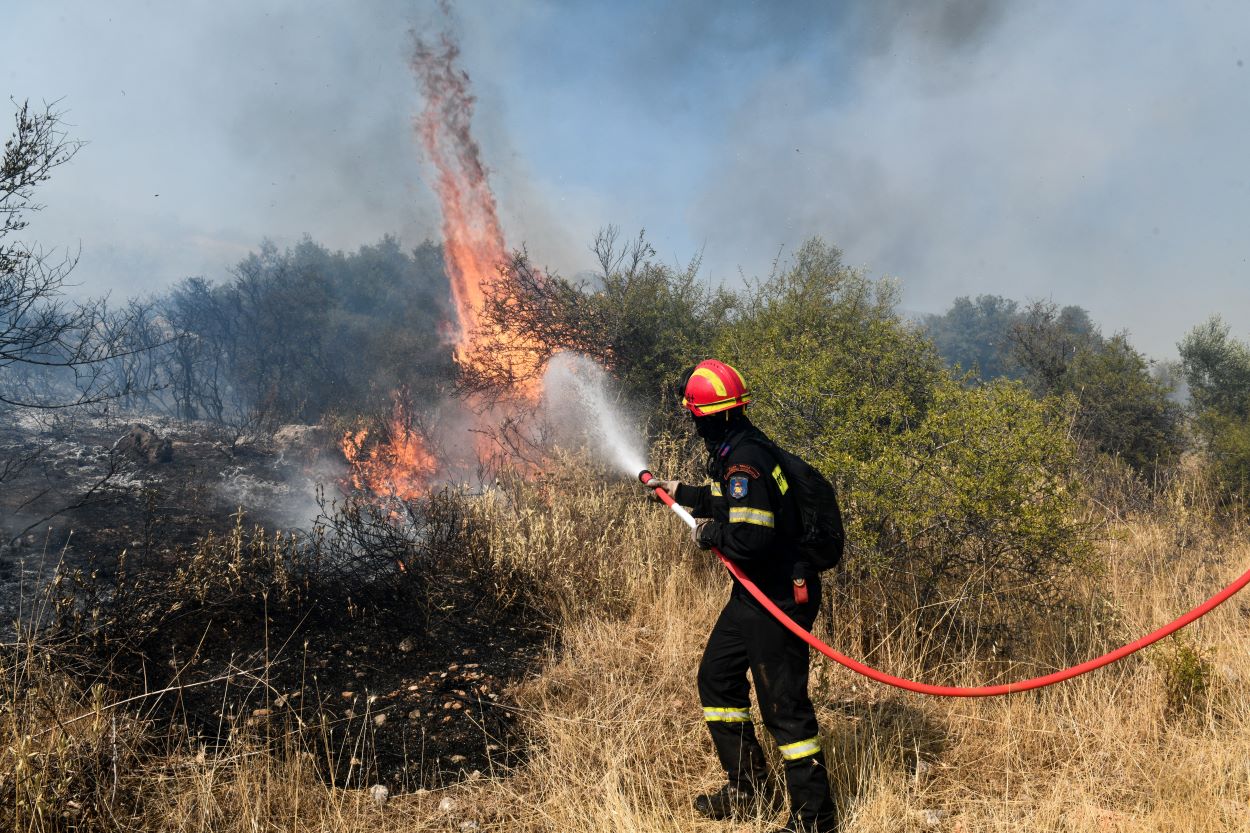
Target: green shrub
1187	674
1217	369
1123	409
956	498
1228	448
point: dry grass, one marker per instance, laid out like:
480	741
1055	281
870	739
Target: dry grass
1156	743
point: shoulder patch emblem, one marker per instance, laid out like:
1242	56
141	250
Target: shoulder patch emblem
738	486
742	468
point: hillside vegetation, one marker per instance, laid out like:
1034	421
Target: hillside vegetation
1155	743
1021	493
993	536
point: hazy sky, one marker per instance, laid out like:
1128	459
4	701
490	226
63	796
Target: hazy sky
1093	153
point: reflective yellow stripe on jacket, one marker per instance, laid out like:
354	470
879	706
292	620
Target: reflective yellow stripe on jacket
747	515
780	477
716	490
719	715
801	749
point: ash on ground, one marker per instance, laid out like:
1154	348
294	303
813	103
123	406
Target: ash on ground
404	696
94	485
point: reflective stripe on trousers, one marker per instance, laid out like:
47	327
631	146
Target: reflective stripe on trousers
801	749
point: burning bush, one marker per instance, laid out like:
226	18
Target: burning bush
641	319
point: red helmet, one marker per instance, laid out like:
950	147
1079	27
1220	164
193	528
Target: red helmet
714	387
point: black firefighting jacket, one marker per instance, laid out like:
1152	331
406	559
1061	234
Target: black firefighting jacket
753	521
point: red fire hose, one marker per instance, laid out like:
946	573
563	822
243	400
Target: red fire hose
948	690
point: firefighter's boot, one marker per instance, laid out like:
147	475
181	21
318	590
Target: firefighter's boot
812	809
739	801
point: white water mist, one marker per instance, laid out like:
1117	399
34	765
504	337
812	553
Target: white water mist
583	407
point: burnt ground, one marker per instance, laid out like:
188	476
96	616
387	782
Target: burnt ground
76	490
388	694
408	711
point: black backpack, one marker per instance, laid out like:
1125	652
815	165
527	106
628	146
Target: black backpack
821	538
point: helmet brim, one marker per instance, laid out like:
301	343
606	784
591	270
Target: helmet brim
716	407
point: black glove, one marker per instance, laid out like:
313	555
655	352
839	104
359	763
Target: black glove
696	534
669	486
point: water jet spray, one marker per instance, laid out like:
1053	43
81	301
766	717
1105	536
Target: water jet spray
579	399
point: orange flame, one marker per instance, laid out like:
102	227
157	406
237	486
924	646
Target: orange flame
474	252
399	466
473	242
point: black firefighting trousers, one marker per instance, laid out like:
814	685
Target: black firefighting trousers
747	637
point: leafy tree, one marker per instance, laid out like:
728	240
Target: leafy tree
1217	369
1124	407
1123	410
976	335
831	365
1045	340
301	333
386	323
197	362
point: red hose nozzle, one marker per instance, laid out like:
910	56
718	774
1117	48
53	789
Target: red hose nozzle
645	476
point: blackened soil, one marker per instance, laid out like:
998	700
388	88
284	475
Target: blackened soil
379	690
70	495
381	700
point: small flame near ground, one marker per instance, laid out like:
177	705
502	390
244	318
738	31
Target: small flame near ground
397	464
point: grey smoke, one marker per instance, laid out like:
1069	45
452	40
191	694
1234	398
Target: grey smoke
1093	153
1089	153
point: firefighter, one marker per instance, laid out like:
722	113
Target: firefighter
746	514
